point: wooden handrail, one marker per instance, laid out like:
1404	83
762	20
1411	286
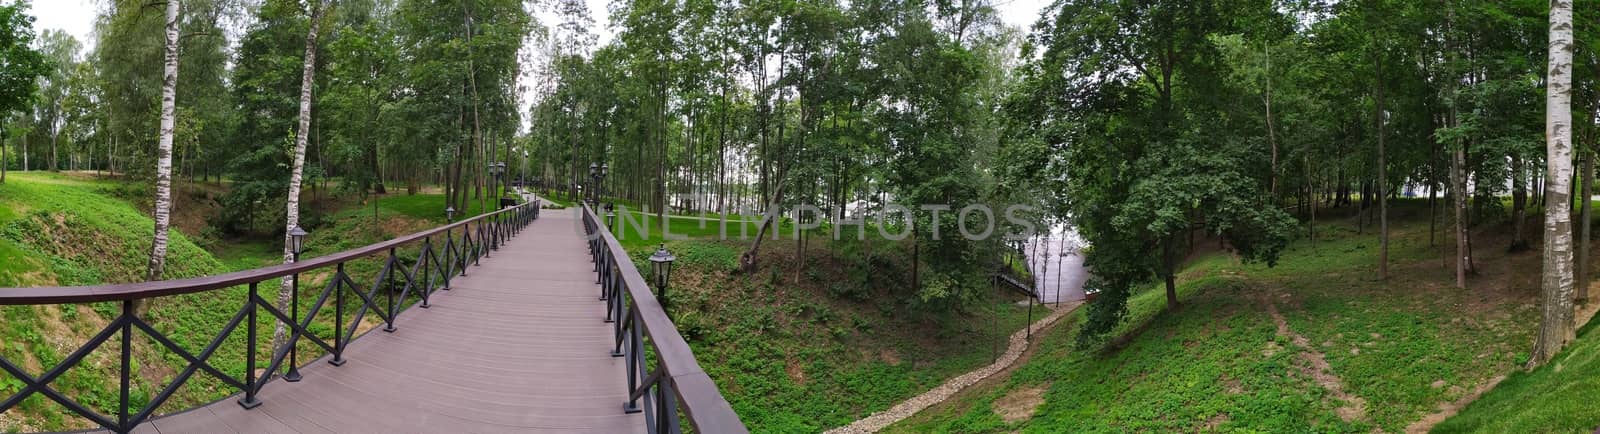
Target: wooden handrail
479	235
159	288
697	395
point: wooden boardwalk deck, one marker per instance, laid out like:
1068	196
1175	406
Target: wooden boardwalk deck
518	345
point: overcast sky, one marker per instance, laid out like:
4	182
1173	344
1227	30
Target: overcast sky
77	16
74	16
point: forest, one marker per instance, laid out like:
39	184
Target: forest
1155	129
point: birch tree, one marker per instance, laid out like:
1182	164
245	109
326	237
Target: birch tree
1556	323
302	132
163	208
19	70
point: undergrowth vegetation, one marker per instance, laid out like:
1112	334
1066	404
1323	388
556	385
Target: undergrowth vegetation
1552	398
1343	353
799	346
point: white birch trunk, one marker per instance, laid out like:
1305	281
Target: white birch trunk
292	218
163	208
1556	322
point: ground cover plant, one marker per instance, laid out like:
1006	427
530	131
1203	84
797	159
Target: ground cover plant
1314	342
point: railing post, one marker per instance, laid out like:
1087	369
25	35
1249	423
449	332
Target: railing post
250	379
466	243
127	365
632	363
635	362
603	265
389	314
427	253
449	258
338	318
667	413
482	247
605	287
618	332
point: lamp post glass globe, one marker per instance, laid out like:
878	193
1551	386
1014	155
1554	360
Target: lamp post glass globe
450	213
297	240
661	260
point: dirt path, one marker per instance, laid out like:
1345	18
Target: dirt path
1316	366
1017	345
1447	409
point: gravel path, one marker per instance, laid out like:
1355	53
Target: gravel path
1018	344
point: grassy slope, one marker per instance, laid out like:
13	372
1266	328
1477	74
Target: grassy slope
799	353
1403	346
47	220
429	207
102	239
59	230
1553	398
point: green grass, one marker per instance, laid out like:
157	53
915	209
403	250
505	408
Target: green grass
240	255
62	230
1218	364
58	230
428	207
636	229
1145	387
800	353
1552	398
81	234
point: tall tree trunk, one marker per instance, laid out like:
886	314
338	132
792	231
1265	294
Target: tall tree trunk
1519	203
1556	322
477	130
1458	193
1581	276
1169	265
1272	136
1361	210
1383	180
302	133
3	162
1311	204
163	206
55	136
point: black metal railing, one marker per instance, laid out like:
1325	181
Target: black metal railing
665	377
463	244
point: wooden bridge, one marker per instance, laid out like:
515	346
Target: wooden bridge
520	322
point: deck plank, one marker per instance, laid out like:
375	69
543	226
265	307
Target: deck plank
516	345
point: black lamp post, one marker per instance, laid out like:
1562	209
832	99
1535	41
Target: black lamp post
498	170
605	169
297	245
611	220
594	175
505	185
661	261
450	214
